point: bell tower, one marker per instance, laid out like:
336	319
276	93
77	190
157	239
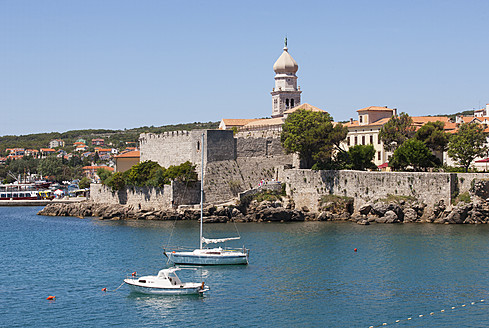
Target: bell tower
286	94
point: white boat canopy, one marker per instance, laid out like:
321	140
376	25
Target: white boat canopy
215	241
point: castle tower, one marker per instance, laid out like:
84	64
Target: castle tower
285	95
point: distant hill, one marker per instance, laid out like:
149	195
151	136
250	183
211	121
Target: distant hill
464	113
117	138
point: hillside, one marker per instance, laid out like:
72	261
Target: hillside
117	138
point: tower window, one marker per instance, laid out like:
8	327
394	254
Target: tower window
355	140
363	140
291	102
286	103
371	140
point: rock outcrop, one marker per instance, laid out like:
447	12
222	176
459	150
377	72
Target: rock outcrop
476	212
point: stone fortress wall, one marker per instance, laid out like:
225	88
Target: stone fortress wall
231	164
307	186
148	198
236	163
174	148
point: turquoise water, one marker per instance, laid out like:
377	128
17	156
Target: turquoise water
300	275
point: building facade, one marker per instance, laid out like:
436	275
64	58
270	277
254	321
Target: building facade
365	130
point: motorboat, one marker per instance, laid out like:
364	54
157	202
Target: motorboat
165	283
203	255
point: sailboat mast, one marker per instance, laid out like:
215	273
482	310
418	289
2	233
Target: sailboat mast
201	189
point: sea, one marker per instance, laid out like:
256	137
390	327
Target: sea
302	274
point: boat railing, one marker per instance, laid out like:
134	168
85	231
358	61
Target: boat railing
170	249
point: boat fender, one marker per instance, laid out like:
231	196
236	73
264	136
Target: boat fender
202	286
50	298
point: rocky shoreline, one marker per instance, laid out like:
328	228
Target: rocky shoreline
476	212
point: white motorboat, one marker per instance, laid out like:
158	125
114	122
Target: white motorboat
165	283
208	256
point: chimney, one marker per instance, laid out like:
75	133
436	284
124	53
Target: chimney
351	120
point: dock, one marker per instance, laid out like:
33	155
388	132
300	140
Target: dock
41	202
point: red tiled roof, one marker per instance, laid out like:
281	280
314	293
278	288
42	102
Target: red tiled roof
376	108
129	154
95	167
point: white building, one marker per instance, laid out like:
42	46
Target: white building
365	130
56	143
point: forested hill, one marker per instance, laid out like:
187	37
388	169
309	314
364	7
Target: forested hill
117	138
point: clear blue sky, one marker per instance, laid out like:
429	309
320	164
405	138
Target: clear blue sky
68	65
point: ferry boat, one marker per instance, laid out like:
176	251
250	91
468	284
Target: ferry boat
24	191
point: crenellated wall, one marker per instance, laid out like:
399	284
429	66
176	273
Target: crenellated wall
148	198
177	147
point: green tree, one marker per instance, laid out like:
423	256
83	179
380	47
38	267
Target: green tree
24	165
467	144
140	173
103	174
182	172
117	181
433	136
84	183
412	153
360	157
396	131
312	135
50	166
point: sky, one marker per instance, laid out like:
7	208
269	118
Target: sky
115	64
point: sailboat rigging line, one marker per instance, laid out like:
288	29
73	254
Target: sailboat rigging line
236	227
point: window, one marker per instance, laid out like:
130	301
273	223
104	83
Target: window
291	102
355	140
198	145
360	118
363	140
286	103
348	141
371	140
378	139
378	155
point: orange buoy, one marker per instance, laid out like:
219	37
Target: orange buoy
104	289
355	250
50	297
134	273
173	252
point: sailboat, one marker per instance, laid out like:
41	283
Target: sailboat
204	255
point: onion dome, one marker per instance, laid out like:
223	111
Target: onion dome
285	63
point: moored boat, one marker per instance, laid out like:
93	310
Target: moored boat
165	283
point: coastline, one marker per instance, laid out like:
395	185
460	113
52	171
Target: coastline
476	212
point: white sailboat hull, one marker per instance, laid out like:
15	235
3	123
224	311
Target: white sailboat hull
203	257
